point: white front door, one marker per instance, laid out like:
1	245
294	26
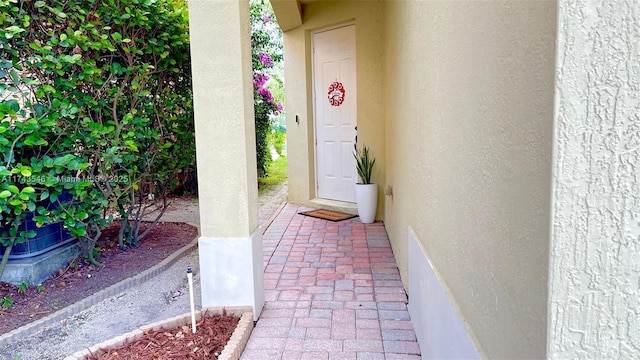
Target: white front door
334	83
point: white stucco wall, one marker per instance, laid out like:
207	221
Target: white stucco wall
468	138
594	303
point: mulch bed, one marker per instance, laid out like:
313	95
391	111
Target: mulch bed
212	334
79	280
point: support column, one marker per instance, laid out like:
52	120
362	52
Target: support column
230	243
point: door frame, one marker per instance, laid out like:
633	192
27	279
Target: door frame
314	145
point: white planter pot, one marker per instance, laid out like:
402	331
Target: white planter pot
367	201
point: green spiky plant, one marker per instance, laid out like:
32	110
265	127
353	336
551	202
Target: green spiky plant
364	164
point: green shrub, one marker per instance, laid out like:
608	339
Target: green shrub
95	101
277	139
266	49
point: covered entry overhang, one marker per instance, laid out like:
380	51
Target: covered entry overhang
288	13
320	137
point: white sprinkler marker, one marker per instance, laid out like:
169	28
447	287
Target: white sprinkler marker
193	312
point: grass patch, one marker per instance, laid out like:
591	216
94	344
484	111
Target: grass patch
277	173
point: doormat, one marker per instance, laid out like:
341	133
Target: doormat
328	215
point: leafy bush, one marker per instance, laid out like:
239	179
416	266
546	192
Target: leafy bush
266	48
95	101
277	138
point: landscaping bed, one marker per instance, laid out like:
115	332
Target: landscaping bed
220	334
80	280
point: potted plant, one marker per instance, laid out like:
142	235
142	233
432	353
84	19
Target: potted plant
366	191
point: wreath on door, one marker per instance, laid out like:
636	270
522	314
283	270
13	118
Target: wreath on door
336	93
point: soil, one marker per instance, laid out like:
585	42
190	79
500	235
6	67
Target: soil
79	279
157	299
211	336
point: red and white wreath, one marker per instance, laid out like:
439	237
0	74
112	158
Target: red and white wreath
336	94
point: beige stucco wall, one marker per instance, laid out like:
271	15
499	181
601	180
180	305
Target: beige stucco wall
230	242
368	18
594	302
224	121
469	114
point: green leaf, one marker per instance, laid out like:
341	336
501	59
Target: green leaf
61	161
44	195
14	189
28	190
5	194
57	12
132	145
25	172
83	184
15	77
79	232
50	181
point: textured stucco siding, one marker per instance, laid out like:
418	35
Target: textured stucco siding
224	118
594	303
469	126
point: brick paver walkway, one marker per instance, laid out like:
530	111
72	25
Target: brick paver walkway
333	291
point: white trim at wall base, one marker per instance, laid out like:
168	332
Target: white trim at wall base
440	331
231	272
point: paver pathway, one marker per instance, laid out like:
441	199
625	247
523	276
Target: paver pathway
333	291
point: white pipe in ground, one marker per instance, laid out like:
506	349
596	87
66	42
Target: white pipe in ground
193	312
